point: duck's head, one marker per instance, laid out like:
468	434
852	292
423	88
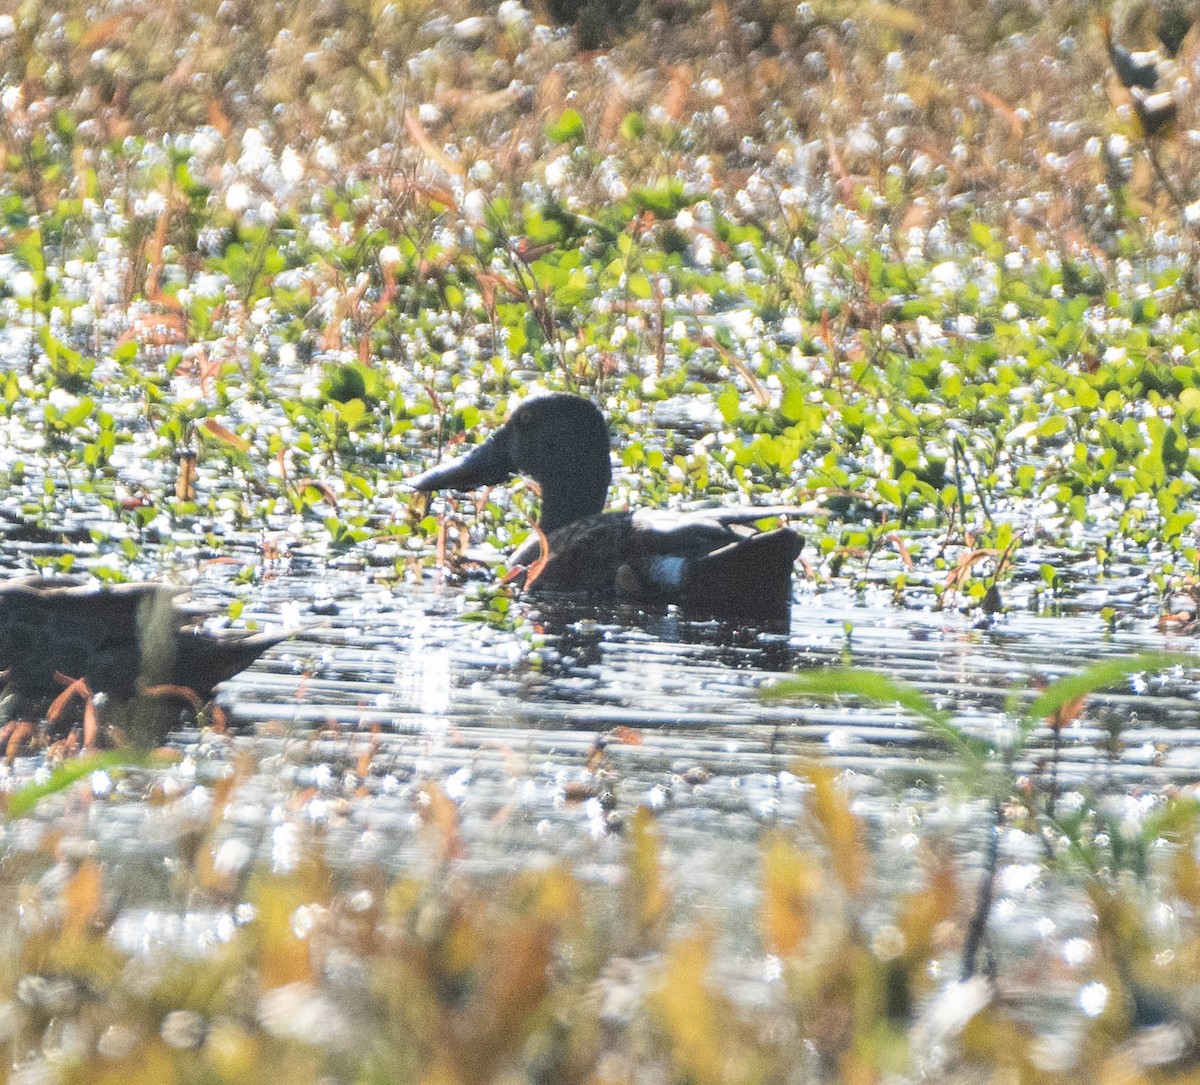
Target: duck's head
559	441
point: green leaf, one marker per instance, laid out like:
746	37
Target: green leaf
831	681
352	413
24	799
567	127
1098	676
639	286
873	686
633	127
729	403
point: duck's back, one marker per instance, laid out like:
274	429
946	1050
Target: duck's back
701	562
78	632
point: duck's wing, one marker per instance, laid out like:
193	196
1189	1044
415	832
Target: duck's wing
743	514
584	555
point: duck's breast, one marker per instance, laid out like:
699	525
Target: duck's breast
587	555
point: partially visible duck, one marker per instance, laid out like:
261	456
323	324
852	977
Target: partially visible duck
710	562
116	638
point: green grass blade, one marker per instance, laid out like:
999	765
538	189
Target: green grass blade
831	681
873	686
1102	675
24	799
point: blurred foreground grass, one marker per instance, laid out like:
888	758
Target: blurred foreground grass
449	978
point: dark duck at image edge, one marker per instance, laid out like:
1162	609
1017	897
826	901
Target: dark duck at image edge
710	562
116	638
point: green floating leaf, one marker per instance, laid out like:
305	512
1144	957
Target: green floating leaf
352	412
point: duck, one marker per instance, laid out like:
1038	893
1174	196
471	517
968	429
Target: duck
118	639
711	562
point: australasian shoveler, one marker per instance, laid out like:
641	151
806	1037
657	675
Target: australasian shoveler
116	638
710	561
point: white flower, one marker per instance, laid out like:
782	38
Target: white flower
256	155
513	16
237	197
474	205
291	166
556	172
150	206
327	156
945	277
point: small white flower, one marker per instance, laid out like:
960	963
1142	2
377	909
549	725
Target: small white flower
556	172
1093	997
237	198
513	16
327	156
291	166
474	206
945	277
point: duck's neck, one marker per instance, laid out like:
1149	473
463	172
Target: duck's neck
566	500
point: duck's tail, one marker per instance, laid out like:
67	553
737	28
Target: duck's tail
750	578
203	659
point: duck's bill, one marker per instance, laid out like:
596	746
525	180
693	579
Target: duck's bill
485	465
